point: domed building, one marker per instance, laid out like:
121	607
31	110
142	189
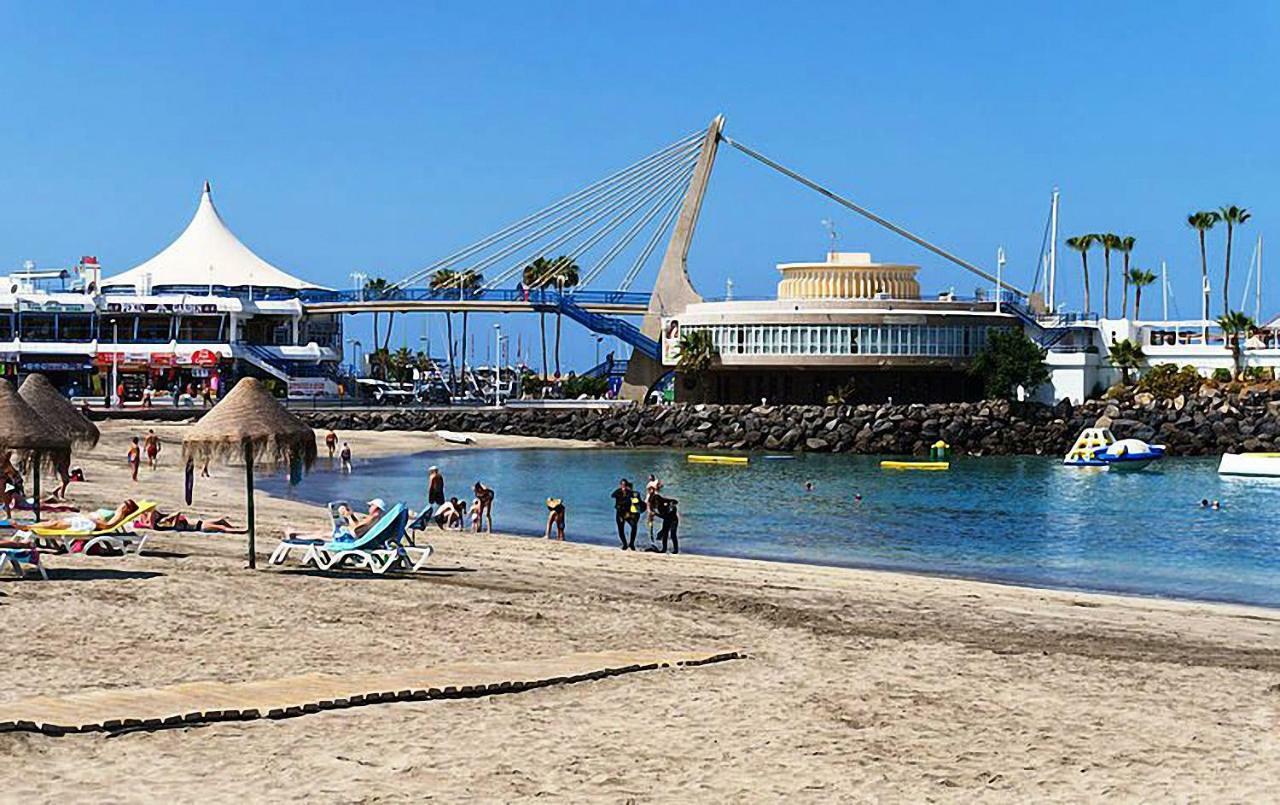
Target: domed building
847	325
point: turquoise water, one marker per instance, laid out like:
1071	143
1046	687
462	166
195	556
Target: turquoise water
1023	520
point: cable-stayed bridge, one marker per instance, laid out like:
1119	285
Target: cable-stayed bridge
584	255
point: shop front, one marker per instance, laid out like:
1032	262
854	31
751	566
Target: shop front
70	374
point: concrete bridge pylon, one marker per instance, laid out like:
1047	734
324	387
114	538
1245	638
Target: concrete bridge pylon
673	291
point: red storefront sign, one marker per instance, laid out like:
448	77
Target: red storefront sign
108	358
162	360
205	357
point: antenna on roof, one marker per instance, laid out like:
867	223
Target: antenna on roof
835	236
207	187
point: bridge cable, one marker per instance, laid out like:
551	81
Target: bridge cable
674	191
529	220
645	191
866	213
663	226
609	197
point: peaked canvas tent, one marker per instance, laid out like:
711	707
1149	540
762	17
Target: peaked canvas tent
207	253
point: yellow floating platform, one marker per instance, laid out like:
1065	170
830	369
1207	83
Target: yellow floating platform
718	459
915	465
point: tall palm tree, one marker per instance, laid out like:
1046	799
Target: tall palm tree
1125	245
566	276
1202	222
442	280
1109	241
401	363
1235	325
1233	216
536	276
1139	278
1126	356
374	288
468	281
1082	244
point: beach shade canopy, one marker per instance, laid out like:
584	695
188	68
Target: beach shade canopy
249	425
24	431
58	411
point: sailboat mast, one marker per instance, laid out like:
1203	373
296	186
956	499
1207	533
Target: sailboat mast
1257	286
1164	289
1053	250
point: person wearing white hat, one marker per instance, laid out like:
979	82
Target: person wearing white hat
360	523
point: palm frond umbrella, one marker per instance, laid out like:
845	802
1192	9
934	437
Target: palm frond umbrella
24	431
58	411
250	426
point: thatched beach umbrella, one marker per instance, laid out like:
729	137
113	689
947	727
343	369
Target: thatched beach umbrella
248	424
58	411
22	430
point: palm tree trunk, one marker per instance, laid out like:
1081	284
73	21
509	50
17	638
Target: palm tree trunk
542	325
1084	261
375	343
1137	302
464	349
448	325
1204	287
1124	293
1106	285
557	343
1226	273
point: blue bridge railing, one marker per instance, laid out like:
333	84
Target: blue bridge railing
547	297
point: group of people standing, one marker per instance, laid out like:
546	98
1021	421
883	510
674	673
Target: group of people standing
453	513
628	505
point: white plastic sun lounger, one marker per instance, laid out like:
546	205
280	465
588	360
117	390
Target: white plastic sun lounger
311	543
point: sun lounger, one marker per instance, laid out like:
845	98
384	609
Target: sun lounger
381	548
116	534
16	557
311	543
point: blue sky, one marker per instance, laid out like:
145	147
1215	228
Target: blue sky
378	137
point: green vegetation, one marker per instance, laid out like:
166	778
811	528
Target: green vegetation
578	385
1235	326
1232	216
697	354
1221	376
1167	380
1126	356
1139	278
1083	244
1011	359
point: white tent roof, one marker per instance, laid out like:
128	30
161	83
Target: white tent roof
206	252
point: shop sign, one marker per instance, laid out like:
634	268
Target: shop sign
308	387
137	358
8	357
205	357
671	341
107	358
162	359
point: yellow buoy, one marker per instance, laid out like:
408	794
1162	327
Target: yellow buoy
915	465
717	459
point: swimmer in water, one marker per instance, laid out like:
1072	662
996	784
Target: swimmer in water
808	486
857	498
1216	505
1204	503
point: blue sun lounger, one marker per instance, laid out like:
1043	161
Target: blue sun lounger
311	543
17	557
379	549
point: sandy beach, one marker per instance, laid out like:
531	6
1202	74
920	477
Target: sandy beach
860	685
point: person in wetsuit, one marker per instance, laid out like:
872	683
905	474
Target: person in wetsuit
666	511
627	507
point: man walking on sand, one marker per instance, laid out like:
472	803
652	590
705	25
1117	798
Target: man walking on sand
151	445
135	456
331	442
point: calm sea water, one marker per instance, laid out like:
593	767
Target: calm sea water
1024	520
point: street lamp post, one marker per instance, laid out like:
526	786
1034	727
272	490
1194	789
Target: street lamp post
115	363
497	365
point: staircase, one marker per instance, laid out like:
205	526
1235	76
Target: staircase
265	361
606	325
1045	337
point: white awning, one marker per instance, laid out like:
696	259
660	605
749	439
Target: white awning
206	253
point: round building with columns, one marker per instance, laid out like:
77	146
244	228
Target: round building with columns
847	326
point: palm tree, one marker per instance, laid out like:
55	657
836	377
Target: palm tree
1235	325
374	288
1083	244
1233	216
696	354
1139	278
401	363
1202	222
380	361
442	280
1126	356
535	277
566	276
468	281
1109	241
1125	245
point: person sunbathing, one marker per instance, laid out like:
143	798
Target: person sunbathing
361	523
92	521
178	521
